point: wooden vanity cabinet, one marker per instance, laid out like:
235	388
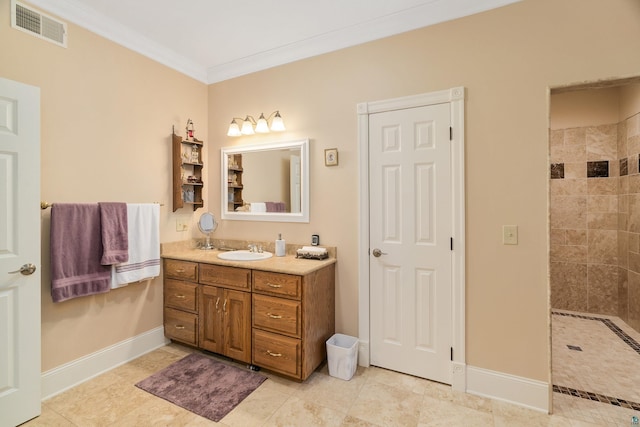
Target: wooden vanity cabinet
225	313
277	321
293	317
181	301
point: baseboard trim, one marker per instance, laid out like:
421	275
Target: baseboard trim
509	388
70	374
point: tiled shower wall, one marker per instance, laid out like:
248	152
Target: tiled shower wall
595	219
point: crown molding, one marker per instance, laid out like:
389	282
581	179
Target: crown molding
424	15
75	12
433	12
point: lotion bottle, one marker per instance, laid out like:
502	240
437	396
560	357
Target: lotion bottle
280	246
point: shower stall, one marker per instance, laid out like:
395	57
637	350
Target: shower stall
594	204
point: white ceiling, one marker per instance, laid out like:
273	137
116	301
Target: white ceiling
214	40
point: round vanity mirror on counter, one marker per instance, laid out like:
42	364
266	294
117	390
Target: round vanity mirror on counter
207	225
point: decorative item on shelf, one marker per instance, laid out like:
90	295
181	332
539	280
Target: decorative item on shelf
188	195
195	157
189	131
250	126
193	179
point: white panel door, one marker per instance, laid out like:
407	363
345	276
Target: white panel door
410	237
19	253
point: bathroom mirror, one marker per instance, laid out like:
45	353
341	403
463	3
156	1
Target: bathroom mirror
266	182
207	225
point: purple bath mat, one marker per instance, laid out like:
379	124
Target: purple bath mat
202	385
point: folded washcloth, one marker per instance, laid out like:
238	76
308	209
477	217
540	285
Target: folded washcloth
143	221
258	207
312	252
115	244
314	249
76	251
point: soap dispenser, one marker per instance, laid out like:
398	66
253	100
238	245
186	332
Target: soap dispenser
280	246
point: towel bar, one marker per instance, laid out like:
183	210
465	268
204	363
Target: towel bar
45	205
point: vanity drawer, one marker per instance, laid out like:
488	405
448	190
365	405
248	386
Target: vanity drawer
277	315
277	353
181	269
280	284
181	295
181	326
229	277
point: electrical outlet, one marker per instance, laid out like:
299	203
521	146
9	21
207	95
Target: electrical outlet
182	225
509	234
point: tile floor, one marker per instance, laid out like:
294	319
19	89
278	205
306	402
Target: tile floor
596	368
373	397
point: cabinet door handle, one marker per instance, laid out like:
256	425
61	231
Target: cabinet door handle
274	354
217	301
180	296
179	326
224	306
274	285
180	270
274	316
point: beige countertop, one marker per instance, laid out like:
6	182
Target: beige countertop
288	264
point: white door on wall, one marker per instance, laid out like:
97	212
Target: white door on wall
410	263
19	253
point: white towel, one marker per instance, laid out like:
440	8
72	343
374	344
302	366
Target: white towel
259	207
314	249
144	245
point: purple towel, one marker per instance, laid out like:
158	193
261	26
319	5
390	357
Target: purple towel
76	250
115	234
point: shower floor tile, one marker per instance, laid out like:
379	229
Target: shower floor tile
600	383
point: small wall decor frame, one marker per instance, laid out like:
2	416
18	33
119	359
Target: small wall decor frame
331	157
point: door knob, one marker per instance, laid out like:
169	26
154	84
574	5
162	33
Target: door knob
377	252
25	270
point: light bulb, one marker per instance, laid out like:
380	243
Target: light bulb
262	126
277	124
247	127
234	129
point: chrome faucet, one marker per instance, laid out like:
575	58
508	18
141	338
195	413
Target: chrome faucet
255	248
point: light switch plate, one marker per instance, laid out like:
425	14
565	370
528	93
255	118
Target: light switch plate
509	234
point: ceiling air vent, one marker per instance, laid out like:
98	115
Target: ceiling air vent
26	19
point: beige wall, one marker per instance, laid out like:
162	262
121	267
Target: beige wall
629	101
103	103
507	59
106	124
584	108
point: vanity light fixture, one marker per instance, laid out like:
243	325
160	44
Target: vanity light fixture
250	126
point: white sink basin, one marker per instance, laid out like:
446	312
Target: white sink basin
244	255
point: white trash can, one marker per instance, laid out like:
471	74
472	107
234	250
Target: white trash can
342	356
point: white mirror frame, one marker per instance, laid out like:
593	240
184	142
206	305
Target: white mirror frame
302	216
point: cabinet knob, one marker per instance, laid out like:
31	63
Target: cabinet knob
179	326
274	354
180	296
274	285
180	270
274	316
